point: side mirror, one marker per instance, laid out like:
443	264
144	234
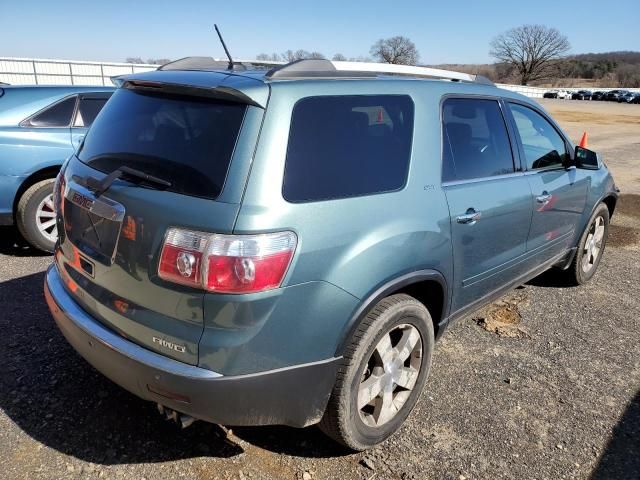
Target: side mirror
587	159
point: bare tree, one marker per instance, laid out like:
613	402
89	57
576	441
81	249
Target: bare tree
316	55
360	59
338	57
532	49
398	50
628	76
134	60
158	61
291	56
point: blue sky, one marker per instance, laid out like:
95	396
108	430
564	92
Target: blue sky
444	32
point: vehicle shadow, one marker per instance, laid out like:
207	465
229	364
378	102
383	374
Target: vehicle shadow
621	458
58	399
552	278
12	243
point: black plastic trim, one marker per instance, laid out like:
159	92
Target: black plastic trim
6	219
385	290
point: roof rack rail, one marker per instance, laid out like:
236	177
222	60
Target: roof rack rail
210	63
313	68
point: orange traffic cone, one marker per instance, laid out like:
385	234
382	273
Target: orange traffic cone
584	140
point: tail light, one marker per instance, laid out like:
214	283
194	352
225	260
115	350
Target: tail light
226	263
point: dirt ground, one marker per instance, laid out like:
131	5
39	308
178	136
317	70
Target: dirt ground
544	384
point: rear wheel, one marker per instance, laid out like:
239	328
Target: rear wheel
36	216
385	368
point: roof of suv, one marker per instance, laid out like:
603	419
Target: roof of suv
251	83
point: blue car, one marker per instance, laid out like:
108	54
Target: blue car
40	126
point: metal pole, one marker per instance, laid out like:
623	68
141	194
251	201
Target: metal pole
35	75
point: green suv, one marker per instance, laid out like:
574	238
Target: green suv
255	247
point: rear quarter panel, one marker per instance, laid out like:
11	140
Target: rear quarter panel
355	245
24	151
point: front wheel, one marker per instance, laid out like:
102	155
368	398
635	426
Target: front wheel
383	373
36	216
590	247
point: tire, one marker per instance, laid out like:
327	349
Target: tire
34	201
396	318
584	264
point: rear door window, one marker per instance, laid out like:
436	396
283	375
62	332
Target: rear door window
88	110
543	146
348	146
475	140
184	139
57	115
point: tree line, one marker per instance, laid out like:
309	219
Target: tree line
398	50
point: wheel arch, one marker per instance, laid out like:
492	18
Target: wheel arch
427	286
37	176
610	201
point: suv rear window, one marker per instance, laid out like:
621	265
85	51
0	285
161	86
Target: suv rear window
348	146
186	140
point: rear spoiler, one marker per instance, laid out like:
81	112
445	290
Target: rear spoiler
117	80
221	93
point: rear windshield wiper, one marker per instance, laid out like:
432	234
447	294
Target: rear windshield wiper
100	186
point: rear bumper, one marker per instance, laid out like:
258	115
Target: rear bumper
294	396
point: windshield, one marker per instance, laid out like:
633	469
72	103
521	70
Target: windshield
186	140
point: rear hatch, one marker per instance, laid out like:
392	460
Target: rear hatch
172	151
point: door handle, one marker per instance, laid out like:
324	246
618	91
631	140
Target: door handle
544	198
469	218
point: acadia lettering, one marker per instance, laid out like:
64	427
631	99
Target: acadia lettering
171	346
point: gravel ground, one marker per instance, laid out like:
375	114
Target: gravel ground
544	384
554	394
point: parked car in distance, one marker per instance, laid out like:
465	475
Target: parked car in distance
599	95
636	98
40	126
272	247
627	97
613	95
564	94
581	95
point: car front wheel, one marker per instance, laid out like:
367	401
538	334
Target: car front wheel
383	373
590	247
36	216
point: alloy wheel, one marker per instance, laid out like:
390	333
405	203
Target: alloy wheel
391	374
46	219
593	244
